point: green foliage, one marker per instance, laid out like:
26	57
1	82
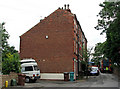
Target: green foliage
83	65
5	36
11	63
10	56
5	46
8	50
108	14
98	53
84	62
86	54
109	23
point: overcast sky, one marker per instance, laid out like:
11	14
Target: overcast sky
21	15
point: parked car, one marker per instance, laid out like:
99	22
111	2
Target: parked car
94	71
30	69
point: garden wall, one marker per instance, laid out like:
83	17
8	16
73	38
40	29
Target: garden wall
8	78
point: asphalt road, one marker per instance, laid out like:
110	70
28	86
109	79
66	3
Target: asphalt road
105	80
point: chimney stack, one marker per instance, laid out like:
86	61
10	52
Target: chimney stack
65	6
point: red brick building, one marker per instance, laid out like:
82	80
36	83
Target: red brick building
56	44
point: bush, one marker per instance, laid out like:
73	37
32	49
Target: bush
11	64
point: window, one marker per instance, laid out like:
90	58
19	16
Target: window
76	26
36	68
23	69
74	46
29	68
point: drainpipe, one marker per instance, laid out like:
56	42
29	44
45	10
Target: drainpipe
73	64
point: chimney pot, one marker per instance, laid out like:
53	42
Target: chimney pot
65	6
68	6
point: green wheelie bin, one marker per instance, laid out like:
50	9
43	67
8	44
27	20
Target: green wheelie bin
71	76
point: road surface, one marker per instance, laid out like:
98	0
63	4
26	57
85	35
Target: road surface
109	81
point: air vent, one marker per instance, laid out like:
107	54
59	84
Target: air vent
46	37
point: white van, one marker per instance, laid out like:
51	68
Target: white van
27	61
30	69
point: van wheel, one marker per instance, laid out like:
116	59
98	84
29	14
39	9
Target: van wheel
27	79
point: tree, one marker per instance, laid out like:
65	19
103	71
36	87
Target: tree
109	23
98	53
10	56
84	62
5	46
11	64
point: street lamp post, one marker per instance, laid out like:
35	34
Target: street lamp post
1	27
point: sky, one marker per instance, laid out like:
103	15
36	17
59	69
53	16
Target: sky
21	15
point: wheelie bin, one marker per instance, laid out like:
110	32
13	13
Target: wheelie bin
71	76
66	76
21	79
13	82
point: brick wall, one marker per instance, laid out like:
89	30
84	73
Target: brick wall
55	54
8	78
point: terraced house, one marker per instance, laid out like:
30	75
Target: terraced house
56	43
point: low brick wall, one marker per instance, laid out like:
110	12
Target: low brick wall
8	78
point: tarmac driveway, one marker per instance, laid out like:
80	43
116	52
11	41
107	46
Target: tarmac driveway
103	81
